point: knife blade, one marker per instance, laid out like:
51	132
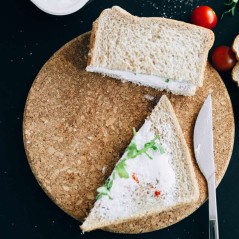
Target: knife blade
204	153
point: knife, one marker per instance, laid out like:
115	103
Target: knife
203	148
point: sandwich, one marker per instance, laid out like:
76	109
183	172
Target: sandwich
161	53
235	70
235	46
235	73
154	174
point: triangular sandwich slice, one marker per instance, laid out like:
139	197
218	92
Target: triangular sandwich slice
161	53
155	174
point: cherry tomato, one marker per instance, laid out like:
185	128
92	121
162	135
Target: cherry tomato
204	16
223	58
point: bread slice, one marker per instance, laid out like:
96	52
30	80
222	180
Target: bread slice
235	70
159	178
235	73
157	52
235	46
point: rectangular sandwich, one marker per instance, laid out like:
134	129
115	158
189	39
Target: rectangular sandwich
161	53
155	174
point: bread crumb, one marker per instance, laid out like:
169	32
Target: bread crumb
149	97
172	8
104	170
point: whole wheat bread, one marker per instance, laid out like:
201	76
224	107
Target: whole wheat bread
156	52
235	73
158	180
235	70
235	46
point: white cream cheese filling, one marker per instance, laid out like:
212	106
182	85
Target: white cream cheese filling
129	196
177	87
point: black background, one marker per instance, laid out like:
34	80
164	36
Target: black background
28	37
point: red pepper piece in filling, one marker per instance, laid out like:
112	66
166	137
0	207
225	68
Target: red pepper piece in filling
134	176
157	193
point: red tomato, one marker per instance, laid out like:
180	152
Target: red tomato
223	58
204	16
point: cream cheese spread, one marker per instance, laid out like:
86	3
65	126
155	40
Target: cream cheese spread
150	181
148	80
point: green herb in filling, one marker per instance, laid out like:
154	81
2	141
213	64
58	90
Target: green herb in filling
131	152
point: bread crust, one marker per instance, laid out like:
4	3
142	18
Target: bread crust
92	43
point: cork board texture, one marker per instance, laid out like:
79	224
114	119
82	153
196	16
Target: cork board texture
77	125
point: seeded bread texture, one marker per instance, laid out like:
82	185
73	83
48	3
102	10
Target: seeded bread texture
235	46
163	122
151	46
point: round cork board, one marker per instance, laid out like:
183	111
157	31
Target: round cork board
77	125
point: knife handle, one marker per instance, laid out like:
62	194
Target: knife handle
213	222
213	229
